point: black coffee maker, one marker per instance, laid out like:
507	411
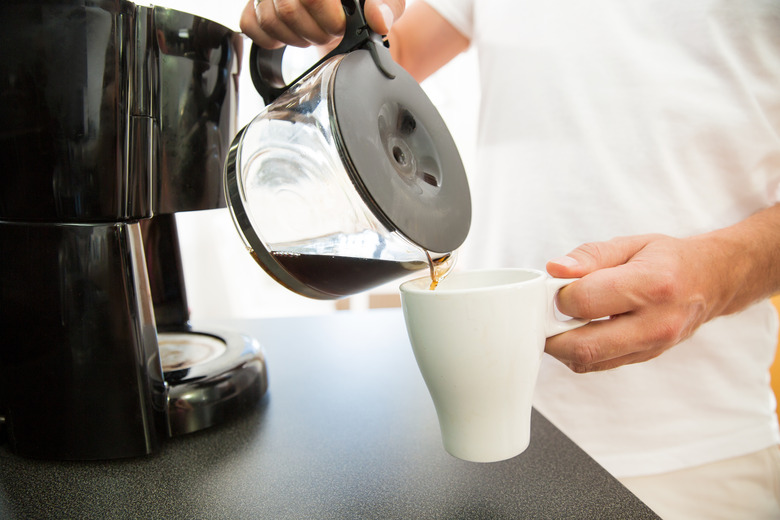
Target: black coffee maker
113	117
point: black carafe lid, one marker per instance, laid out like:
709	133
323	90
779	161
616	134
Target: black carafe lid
399	152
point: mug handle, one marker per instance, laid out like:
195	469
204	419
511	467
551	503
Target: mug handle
553	325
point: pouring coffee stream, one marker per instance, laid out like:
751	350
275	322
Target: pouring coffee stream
349	178
439	268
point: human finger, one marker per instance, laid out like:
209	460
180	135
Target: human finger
274	23
289	22
616	276
259	22
597	255
381	14
250	27
328	15
628	359
606	292
607	344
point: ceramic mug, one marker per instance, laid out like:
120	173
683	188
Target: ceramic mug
478	339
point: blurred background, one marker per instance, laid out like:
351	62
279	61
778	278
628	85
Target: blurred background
222	280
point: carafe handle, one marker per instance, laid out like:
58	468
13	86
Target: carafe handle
265	65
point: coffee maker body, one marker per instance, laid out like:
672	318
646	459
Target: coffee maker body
115	116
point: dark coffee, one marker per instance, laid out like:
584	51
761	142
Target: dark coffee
342	275
439	268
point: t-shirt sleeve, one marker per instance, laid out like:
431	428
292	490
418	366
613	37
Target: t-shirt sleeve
460	13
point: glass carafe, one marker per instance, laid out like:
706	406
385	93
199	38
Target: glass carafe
349	178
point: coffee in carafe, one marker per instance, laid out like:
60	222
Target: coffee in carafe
342	275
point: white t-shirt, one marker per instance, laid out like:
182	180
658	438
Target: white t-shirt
621	117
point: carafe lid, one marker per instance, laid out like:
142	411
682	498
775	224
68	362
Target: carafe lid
399	152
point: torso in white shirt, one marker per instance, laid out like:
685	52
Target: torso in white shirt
608	118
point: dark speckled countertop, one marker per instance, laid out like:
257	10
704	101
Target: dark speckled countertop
347	430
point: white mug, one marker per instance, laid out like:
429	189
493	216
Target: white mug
478	339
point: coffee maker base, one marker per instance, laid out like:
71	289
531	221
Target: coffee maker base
211	376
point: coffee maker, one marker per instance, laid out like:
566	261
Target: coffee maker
113	118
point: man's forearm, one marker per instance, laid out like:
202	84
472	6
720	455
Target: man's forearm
750	252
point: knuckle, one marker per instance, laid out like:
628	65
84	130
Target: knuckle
247	23
667	332
592	250
267	24
286	11
578	369
583	355
664	287
592	297
313	5
578	299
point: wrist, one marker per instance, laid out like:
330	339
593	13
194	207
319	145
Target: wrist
743	261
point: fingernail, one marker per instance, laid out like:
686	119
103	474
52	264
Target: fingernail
565	261
387	15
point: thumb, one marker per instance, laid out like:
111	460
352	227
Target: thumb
596	255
